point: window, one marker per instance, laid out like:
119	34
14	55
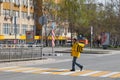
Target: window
24	15
17	14
31	2
7	0
31	15
16	30
24	29
17	2
6	29
14	12
6	12
22	2
3	0
31	27
12	0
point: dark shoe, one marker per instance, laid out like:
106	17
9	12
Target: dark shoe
81	68
72	70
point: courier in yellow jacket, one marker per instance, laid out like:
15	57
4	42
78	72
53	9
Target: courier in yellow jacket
77	48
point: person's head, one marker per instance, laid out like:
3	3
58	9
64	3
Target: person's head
74	40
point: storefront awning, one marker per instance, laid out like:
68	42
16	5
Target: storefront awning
35	37
57	38
1	37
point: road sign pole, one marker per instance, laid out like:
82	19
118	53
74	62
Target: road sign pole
91	45
42	21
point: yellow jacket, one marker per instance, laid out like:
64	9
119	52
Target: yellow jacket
77	48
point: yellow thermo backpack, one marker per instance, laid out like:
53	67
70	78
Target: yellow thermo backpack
80	47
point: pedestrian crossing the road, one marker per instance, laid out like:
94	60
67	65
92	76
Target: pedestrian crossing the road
56	71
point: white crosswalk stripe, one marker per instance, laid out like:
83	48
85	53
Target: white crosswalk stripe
87	74
29	71
45	73
8	67
12	70
112	73
67	73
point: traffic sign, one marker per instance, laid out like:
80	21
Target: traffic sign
42	20
53	25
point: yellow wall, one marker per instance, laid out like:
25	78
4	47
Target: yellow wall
7	5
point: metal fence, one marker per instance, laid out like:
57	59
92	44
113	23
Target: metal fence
14	52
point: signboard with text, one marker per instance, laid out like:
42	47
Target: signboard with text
29	37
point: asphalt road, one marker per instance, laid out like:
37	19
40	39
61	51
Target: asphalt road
96	67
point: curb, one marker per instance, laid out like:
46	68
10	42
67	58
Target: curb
27	63
92	51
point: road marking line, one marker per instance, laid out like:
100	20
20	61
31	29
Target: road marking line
48	71
43	70
8	68
45	73
59	71
110	74
30	71
80	73
68	73
17	70
100	73
33	70
87	74
115	76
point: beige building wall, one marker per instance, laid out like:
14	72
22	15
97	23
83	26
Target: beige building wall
27	8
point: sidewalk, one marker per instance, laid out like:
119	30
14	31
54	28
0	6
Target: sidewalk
26	63
100	51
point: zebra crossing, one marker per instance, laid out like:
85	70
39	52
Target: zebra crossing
64	72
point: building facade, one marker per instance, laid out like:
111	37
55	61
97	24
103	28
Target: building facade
20	16
16	17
